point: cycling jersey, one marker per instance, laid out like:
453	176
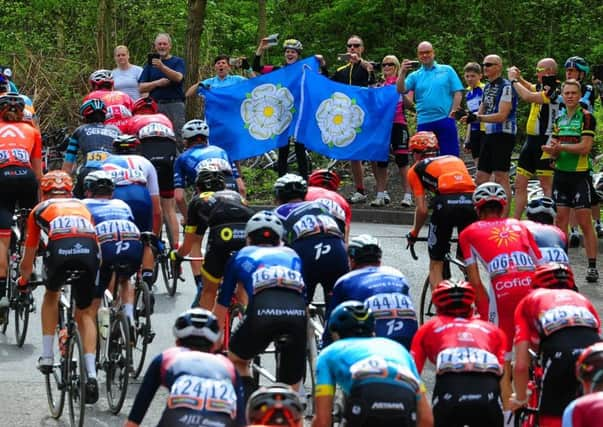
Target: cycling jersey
337	204
119	116
494	92
198	156
19	143
551	241
569	130
440	175
91	137
126	169
386	292
473	97
582	411
304	219
138	121
204	389
111	97
541	118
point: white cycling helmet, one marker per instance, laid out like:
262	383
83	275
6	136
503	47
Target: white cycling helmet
156	130
265	220
195	128
489	192
101	79
197	323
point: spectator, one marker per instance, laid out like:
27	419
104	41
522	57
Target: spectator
162	78
398	142
497	111
223	78
357	72
438	92
8	73
126	75
473	97
544	107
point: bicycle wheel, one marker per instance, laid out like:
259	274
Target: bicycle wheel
55	384
118	362
168	274
142	327
22	309
427	309
75	379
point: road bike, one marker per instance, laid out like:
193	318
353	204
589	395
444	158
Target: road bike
528	415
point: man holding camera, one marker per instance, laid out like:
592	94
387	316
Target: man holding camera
438	92
223	65
162	78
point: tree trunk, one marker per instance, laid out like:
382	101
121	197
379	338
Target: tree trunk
262	20
103	34
194	29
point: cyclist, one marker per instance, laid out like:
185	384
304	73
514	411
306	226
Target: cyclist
20	169
549	238
557	322
29	112
589	371
72	244
468	355
275	405
204	388
101	83
136	184
509	254
383	289
224	213
323	185
447	177
93	139
118	236
312	231
271	278
378	377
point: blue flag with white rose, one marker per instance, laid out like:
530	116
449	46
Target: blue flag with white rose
256	115
346	122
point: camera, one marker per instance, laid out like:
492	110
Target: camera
414	65
598	71
343	57
152	56
234	62
272	40
459	114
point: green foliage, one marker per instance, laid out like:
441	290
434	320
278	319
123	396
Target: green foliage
259	184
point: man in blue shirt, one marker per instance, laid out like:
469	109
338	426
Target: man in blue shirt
223	78
438	92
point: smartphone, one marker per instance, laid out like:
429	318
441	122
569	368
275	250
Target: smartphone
598	71
414	65
152	56
343	57
272	39
234	62
550	81
459	114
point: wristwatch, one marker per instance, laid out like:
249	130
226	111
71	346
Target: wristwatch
514	81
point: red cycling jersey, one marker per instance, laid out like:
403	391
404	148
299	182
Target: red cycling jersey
139	121
545	311
111	97
510	254
583	411
118	115
19	143
455	344
335	202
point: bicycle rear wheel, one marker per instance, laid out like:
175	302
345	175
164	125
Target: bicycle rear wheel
142	327
427	309
168	276
118	362
23	304
56	384
75	379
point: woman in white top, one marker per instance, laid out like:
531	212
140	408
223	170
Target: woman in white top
126	75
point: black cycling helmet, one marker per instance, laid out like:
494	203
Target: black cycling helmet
275	405
124	144
99	183
210	178
541	209
364	249
12	102
352	319
290	186
578	63
93	110
197	327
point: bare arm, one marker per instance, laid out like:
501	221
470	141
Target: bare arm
192	91
323	412
504	109
456	102
424	413
27	262
521	370
156	207
421	213
481	296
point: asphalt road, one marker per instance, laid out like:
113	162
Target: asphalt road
22	390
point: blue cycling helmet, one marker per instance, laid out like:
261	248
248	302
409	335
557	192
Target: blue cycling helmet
92	106
352	319
578	63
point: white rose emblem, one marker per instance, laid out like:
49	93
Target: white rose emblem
267	111
339	120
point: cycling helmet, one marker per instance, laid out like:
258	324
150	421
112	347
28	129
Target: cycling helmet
145	104
12	101
293	44
198	327
364	249
275	405
540	207
352	319
324	178
268	222
290	186
453	298
489	192
125	144
156	130
210	178
424	142
56	182
194	128
92	106
99	182
101	79
553	275
589	366
117	112
6	71
578	63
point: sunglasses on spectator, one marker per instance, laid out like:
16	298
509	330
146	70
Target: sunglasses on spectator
541	69
354	45
388	64
488	64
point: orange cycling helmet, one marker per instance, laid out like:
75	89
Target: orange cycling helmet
57	181
324	178
424	142
453	298
554	275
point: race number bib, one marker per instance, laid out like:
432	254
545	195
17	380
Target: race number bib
203	393
311	224
391	305
70	224
17	155
276	275
334	208
97	156
515	261
122	176
554	255
467	359
566	316
117	229
378	367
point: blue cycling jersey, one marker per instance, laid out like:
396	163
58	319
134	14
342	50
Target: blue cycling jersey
259	268
550	240
304	219
187	165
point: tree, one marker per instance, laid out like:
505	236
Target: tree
194	29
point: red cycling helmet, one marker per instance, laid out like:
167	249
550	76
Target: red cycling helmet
589	366
143	105
424	142
453	298
324	178
553	275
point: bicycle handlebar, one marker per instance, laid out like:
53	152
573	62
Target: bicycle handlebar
411	246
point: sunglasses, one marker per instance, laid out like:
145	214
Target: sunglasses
488	64
388	64
541	69
354	45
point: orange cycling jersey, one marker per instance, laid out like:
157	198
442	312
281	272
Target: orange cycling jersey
19	143
59	218
441	175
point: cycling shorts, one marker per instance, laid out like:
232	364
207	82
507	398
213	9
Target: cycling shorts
449	211
530	161
495	154
380	404
398	145
185	417
572	189
73	253
324	260
271	314
475	142
137	197
18	187
120	257
559	353
162	154
470	398
222	242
